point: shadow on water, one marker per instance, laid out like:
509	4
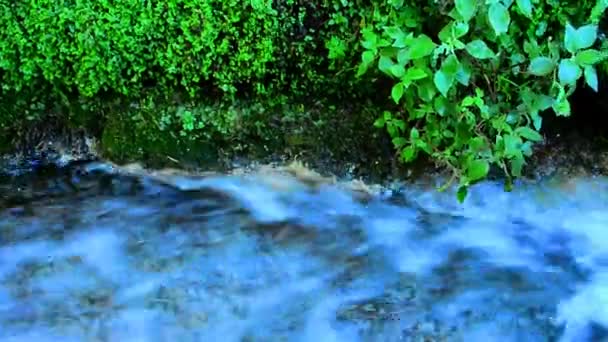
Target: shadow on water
90	254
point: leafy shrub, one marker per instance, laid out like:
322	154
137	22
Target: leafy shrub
464	81
472	78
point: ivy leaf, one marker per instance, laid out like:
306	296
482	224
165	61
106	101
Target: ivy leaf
568	72
477	169
541	66
466	8
443	81
479	49
397	92
525	6
529	133
591	77
422	46
589	57
499	18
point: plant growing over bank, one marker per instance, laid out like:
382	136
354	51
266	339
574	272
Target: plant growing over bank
472	77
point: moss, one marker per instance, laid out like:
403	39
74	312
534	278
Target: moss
127	140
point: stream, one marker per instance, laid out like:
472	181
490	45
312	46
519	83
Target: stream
91	254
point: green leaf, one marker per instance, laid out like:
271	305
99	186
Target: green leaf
463	75
541	66
477	169
414	134
562	107
462	193
384	64
368	57
586	36
414	74
399	142
408	154
460	29
499	18
379	123
568	72
570	38
479	49
443	82
397	70
422	46
451	65
517	164
589	57
397	92
529	133
525	6
582	38
466	8
591	77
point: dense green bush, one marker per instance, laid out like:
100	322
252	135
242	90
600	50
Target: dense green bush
464	82
472	78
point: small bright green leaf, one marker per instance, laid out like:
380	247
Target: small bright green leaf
529	133
541	66
568	72
477	169
479	49
414	74
408	153
525	6
591	77
586	36
368	57
414	134
397	92
466	8
398	70
379	123
589	57
422	46
443	82
499	18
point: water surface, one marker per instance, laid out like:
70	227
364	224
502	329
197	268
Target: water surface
90	255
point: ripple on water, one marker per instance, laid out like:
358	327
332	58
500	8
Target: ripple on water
257	258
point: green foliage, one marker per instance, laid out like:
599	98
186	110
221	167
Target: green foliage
72	53
472	79
468	80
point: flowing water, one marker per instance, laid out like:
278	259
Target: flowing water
88	254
